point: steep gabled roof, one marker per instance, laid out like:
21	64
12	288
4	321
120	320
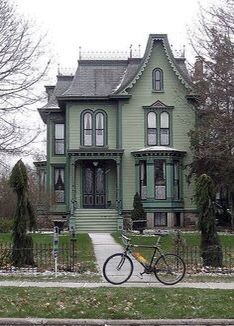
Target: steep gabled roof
111	78
177	65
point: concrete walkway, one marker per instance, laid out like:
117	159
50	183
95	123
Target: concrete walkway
104	246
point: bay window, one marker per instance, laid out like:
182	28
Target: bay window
160	179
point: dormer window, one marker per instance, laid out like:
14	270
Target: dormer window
157	80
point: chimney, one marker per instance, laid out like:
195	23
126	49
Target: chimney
198	69
49	91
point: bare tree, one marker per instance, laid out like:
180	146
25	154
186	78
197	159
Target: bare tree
213	139
22	66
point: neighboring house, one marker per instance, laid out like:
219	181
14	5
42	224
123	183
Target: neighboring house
115	128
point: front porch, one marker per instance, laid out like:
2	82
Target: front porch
95	195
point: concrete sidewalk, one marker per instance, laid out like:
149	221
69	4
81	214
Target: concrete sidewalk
129	284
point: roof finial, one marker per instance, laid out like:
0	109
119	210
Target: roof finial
59	73
130	51
139	50
80	52
183	52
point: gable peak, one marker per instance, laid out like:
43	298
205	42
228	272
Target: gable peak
158	104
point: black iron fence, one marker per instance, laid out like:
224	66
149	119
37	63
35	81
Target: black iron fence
68	258
194	263
43	257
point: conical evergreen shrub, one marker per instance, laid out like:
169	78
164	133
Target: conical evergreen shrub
211	250
24	219
138	214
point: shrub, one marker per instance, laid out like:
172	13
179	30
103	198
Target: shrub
6	225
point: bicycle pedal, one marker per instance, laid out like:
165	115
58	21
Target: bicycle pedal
140	276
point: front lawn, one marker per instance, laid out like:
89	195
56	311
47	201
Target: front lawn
188	248
83	256
116	303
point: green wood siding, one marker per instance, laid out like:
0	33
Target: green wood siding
133	127
74	123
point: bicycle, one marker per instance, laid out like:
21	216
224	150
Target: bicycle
168	268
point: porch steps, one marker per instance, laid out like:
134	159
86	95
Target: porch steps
95	220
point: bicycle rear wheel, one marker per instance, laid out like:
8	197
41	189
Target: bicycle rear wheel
118	268
169	269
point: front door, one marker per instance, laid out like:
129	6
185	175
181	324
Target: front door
93	186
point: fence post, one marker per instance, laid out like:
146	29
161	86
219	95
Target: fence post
72	247
55	249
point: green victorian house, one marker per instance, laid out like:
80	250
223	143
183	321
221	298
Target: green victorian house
117	127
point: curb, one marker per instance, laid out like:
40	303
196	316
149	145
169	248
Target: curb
106	322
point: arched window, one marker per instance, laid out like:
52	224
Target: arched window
94	128
88	129
152	128
164	129
99	129
157	79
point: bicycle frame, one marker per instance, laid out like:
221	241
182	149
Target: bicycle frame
156	248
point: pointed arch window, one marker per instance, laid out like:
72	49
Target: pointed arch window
164	129
99	132
157	80
152	129
94	128
88	128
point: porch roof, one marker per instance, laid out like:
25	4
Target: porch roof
101	153
158	150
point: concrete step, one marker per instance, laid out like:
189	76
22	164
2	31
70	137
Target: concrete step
95	220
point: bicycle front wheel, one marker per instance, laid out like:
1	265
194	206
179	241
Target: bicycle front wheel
169	269
118	268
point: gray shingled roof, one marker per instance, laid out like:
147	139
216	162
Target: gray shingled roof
97	77
101	78
63	83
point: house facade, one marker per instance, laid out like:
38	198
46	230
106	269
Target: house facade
117	127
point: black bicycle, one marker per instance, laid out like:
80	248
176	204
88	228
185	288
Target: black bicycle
168	268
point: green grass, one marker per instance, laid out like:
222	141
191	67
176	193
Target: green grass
83	248
167	244
116	303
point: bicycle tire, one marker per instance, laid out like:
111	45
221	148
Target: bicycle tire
118	268
169	269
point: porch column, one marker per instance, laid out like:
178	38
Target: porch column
73	185
169	178
137	176
118	186
150	178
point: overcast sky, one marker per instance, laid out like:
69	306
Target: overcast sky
105	25
109	24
